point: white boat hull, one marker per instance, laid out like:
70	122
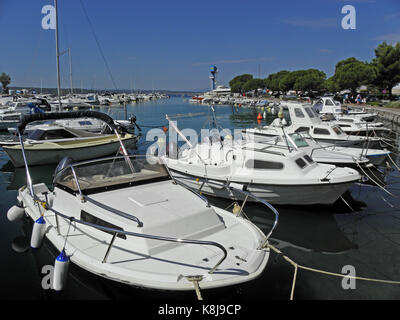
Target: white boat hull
325	194
54	156
158	271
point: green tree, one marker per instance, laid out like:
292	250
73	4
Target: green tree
5	81
253	84
238	82
309	80
273	80
387	65
331	85
351	74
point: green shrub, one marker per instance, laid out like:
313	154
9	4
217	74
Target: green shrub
393	104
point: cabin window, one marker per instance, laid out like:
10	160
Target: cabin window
302	129
35	135
264	165
298	113
347	120
321	131
309	112
299	140
337	130
85	123
344	125
301	163
329	103
87	217
309	159
57	134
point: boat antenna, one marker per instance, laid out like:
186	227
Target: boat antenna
58	61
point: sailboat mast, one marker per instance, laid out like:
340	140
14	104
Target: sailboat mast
58	60
70	70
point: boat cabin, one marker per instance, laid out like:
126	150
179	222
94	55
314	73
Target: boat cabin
328	105
57	133
303	118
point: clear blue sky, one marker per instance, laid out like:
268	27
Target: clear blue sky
171	44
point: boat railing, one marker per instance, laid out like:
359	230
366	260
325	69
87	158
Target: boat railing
176	181
247	195
116	232
102	205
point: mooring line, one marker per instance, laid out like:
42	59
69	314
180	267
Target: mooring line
394	163
341	197
376	182
299	266
195	280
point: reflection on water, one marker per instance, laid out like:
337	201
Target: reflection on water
362	231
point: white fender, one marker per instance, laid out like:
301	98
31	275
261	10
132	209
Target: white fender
38	231
15	213
60	271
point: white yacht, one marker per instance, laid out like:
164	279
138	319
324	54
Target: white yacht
273	172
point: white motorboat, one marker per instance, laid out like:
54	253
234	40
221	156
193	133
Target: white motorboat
131	223
354	126
49	144
332	154
275	173
21	107
85	124
9	120
304	119
342	157
326	105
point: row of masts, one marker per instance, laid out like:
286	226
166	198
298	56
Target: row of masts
58	54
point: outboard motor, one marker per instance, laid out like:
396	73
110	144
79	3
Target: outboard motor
64	163
132	120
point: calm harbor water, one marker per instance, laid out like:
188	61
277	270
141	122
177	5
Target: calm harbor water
321	237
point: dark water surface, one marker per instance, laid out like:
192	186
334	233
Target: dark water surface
321	237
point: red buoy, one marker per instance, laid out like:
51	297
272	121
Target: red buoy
259	117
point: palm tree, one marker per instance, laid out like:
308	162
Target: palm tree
5	81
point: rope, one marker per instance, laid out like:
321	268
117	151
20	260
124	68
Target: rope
65	242
196	280
298	266
389	144
376	182
341	197
394	163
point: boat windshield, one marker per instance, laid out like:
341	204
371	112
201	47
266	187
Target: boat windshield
298	139
112	173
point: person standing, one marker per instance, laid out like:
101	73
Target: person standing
358	99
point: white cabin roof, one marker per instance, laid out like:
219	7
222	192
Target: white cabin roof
302	113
